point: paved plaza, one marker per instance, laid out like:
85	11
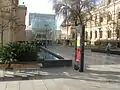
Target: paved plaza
68	79
102	72
91	58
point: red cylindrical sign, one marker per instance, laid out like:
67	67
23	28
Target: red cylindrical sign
77	57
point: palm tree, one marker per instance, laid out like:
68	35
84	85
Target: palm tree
79	12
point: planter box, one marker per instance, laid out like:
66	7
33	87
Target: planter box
20	65
57	63
103	51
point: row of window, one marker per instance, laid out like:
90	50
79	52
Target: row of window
96	34
109	17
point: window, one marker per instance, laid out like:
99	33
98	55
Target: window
119	15
109	34
91	17
109	17
101	19
109	1
73	35
95	34
90	34
101	33
95	19
86	33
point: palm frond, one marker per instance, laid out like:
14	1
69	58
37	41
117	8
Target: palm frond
74	9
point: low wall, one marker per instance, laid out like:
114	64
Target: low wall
20	65
60	62
104	51
56	63
52	53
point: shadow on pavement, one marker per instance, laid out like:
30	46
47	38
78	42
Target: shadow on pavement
88	75
69	73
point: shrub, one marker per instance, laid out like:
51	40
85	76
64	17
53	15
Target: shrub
103	43
18	52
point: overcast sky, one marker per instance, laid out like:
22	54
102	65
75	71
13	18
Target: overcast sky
38	6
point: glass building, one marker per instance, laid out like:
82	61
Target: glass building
39	21
43	25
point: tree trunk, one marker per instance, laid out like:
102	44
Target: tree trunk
2	38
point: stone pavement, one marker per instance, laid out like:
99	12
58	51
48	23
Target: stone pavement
91	58
102	72
68	79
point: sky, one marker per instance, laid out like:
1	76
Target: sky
39	6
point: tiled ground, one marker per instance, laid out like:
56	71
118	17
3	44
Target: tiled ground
68	79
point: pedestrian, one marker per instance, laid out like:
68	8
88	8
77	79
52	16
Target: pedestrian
108	48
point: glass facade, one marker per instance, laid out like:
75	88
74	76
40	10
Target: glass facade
40	21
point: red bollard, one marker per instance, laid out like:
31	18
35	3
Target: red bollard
77	59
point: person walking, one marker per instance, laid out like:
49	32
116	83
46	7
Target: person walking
108	48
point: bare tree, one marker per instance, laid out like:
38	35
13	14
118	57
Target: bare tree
8	17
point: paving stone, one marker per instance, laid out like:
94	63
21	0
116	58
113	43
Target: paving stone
61	84
3	85
50	84
39	85
12	86
26	85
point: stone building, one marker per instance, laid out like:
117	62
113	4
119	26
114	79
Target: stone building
105	22
12	21
67	30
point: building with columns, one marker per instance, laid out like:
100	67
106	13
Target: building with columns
67	30
12	21
105	22
103	25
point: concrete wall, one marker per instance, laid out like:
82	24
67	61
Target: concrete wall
29	35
